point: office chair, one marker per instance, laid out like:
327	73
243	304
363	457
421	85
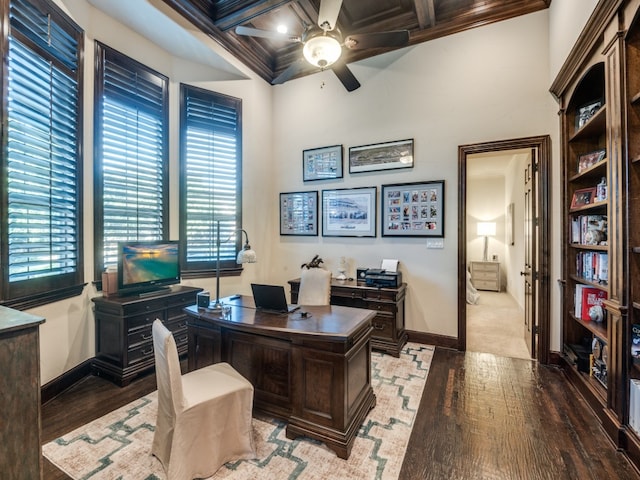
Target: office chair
315	287
204	416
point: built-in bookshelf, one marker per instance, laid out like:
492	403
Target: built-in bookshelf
599	92
585	332
632	350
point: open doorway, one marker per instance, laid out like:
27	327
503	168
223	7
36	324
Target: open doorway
525	275
495	252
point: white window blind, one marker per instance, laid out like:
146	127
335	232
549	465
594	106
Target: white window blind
211	176
42	171
132	153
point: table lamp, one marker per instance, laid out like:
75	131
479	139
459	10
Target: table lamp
245	255
486	229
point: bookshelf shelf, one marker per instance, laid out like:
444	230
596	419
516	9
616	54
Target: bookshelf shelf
593	172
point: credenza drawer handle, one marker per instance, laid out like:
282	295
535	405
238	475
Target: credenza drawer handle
378	326
146	337
147	352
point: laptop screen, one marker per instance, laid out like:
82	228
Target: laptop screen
270	297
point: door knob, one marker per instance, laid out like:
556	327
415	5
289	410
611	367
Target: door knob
524	274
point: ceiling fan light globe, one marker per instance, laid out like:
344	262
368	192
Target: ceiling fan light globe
322	51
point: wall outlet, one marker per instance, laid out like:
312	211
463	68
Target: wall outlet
435	243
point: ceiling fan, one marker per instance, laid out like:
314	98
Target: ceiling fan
322	44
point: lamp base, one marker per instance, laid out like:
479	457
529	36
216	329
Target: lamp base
220	309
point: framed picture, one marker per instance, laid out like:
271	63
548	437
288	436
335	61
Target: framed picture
349	212
299	213
413	209
381	156
590	159
585	112
582	197
322	163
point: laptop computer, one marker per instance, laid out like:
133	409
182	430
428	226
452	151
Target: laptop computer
271	298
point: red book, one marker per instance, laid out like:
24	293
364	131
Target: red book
590	297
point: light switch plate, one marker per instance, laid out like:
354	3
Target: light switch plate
435	243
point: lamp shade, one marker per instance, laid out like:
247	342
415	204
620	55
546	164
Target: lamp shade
322	50
247	255
486	229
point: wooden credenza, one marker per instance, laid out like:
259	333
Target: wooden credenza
20	421
124	345
389	334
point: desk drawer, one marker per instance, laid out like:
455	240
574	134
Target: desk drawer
144	320
140	353
383	326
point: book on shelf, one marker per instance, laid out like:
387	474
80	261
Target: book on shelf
635	343
589	229
593	266
587	297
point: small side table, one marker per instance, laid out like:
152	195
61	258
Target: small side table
486	275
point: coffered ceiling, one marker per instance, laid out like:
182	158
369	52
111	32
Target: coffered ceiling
268	57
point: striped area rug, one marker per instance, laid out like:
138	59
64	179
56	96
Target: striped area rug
117	445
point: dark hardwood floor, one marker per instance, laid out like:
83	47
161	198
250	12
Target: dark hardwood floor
481	417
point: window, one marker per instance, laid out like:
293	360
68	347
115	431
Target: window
131	155
210	184
41	239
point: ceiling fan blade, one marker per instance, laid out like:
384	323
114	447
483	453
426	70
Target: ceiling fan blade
328	14
395	38
291	71
345	75
254	32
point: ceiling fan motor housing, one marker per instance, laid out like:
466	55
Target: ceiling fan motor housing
322	48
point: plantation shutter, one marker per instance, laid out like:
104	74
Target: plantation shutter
211	152
43	172
133	157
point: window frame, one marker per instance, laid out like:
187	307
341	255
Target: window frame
47	289
228	266
101	51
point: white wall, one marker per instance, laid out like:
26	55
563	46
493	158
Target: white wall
486	203
567	18
481	85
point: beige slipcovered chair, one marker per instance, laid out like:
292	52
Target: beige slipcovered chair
204	416
315	286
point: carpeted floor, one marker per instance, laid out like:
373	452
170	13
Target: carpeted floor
117	445
496	325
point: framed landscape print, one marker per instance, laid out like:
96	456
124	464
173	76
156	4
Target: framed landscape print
381	156
413	209
299	213
322	163
349	212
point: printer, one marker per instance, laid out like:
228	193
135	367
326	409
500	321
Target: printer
378	277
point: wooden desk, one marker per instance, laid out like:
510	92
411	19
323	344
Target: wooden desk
389	335
314	372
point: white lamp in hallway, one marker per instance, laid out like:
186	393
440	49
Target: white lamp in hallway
486	229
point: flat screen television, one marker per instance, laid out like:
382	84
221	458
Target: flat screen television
145	267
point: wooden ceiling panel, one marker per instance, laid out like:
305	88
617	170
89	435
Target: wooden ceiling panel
424	19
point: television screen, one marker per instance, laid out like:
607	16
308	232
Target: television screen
147	266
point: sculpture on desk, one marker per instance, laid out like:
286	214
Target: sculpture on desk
314	263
